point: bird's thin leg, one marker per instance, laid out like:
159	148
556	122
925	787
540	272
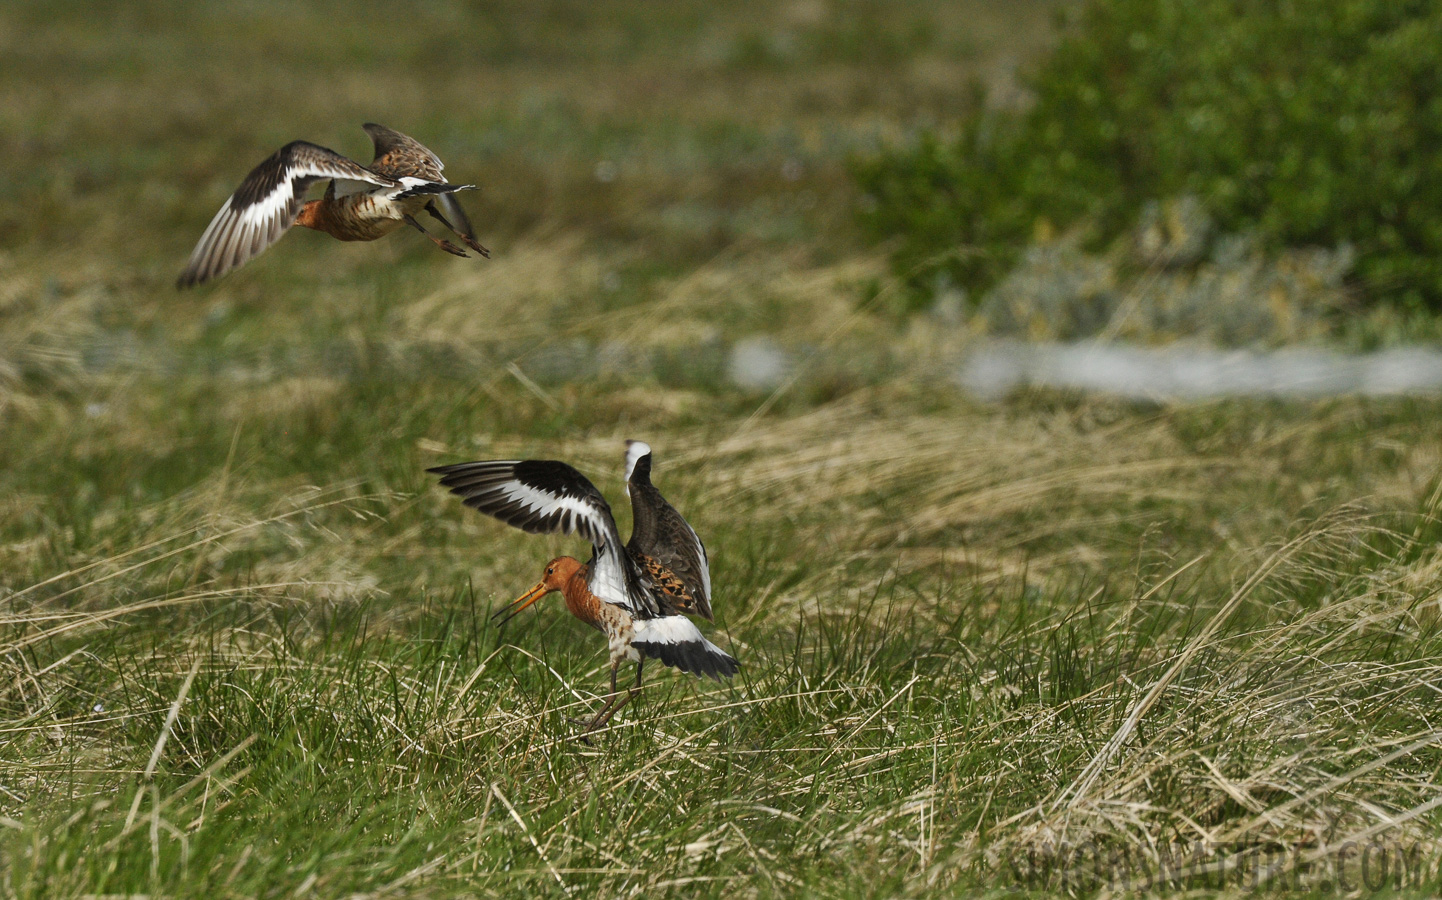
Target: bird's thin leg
470	241
610	699
439	242
605	715
610	702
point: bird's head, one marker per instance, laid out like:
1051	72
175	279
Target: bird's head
558	572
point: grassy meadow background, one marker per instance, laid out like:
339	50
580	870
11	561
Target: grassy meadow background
244	647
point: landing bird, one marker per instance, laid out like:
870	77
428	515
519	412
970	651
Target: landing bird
637	594
361	203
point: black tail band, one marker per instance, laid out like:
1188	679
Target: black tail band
695	657
434	187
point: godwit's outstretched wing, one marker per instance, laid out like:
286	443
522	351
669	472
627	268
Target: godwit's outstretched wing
659	534
399	155
266	204
548	496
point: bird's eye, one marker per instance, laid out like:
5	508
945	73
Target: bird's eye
551	571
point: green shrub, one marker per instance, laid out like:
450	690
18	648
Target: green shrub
1308	122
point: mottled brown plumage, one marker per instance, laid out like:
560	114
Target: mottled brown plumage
398	155
661	537
674	596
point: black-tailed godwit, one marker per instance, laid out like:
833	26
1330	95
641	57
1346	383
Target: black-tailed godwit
636	595
361	203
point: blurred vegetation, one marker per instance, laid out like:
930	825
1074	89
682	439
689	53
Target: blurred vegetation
1306	122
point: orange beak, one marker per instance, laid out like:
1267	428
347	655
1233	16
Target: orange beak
515	606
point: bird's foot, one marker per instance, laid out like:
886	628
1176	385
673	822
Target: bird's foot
449	247
476	246
586	728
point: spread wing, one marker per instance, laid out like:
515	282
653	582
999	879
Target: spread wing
398	155
546	496
265	205
661	534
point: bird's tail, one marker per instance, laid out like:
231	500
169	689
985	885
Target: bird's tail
676	642
431	187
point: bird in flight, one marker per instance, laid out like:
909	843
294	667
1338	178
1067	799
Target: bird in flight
361	203
637	595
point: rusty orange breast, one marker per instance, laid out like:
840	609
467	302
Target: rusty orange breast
353	218
583	604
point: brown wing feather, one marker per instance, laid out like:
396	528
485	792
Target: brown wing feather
398	156
671	589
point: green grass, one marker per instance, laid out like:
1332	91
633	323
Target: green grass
244	639
945	621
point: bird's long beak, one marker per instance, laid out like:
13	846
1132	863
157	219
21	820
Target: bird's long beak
508	612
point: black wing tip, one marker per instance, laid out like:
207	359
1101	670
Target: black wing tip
469	480
462	479
700	658
379	132
520	468
480	486
382	137
448	468
473	465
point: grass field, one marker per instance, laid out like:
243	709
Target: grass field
244	647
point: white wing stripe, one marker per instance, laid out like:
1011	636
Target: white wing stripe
608	579
668	630
238	233
546	504
274	204
550	496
